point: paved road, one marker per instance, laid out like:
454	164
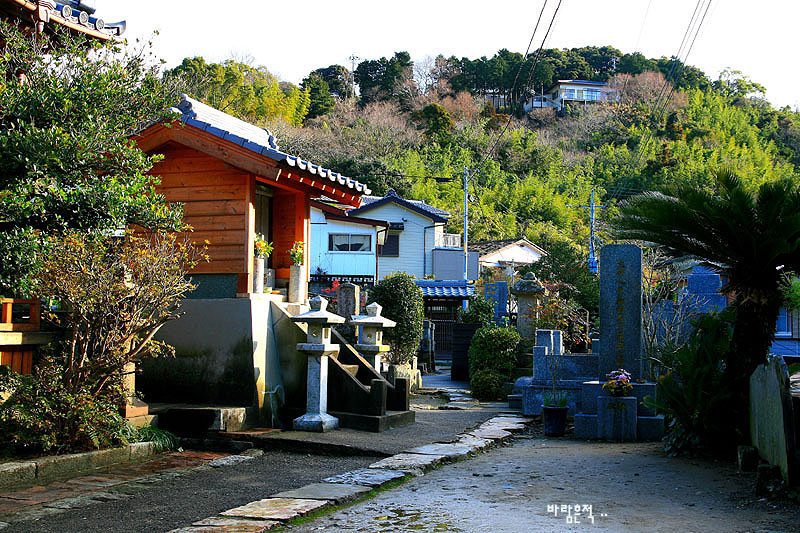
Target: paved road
630	488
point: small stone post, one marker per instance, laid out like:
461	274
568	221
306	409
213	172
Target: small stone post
371	338
318	348
348	303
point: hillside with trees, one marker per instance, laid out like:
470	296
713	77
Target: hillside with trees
414	127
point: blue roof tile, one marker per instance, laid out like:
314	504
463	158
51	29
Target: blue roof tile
253	138
445	288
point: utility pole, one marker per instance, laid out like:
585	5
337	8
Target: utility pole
466	200
353	58
592	261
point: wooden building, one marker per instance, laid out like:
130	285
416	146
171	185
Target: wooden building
234	182
47	16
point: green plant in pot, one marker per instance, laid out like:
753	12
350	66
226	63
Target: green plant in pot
297	273
261	249
554	408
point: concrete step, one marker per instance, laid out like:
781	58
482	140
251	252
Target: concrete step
199	420
515	401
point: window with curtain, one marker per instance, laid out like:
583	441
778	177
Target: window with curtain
345	242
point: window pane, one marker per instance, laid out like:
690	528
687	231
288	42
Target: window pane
391	247
360	243
338	242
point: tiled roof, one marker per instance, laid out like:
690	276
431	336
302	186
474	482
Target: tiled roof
258	140
434	213
445	288
487	247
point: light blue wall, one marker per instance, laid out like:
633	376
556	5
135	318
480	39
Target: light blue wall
341	263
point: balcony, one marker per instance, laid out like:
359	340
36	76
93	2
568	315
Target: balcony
448	240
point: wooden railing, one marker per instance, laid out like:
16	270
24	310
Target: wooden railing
20	315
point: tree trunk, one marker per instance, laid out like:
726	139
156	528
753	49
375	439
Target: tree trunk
753	334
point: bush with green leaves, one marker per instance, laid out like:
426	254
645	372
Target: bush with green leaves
402	302
480	311
487	385
493	348
693	393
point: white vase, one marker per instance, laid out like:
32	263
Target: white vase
258	275
297	284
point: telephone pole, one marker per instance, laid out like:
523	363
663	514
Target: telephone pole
466	201
592	261
353	58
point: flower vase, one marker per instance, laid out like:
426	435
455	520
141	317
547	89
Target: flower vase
258	275
297	284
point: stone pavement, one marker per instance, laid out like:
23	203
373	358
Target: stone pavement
272	512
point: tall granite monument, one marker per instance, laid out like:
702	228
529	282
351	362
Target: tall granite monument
620	310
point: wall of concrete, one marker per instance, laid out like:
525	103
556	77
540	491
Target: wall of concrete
226	354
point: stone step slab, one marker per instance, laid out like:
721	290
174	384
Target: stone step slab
333	492
276	508
412	463
473	442
451	451
366	477
495	434
229	525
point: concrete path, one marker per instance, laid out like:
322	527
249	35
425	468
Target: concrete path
536	484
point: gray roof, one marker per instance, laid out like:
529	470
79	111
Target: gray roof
253	138
369	202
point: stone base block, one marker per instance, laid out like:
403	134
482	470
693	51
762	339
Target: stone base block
375	423
593	389
616	418
318	422
533	396
572	366
585	426
650	427
135	407
515	401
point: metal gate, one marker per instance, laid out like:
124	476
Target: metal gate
443	334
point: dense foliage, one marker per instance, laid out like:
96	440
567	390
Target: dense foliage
693	391
480	311
65	158
401	300
113	295
494	348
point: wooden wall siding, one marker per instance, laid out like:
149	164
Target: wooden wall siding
215	198
18	358
32	323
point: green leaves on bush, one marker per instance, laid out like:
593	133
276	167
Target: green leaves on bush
487	385
493	348
401	300
480	311
693	394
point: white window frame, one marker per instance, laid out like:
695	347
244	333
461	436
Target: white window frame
349	236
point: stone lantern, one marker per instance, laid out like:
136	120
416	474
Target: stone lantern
529	293
318	348
370	341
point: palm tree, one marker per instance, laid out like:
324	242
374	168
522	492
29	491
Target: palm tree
753	236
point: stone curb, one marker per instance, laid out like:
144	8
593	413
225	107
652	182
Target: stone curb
46	469
269	513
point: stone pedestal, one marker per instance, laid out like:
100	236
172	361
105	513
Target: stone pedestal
318	348
371	335
616	418
316	417
297	284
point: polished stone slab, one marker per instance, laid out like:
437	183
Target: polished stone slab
333	492
413	463
276	508
367	477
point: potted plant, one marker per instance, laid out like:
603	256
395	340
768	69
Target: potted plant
619	383
297	281
554	408
262	249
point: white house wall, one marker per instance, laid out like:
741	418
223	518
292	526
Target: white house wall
521	255
341	263
413	240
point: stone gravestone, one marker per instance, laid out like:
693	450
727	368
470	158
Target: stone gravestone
348	303
620	310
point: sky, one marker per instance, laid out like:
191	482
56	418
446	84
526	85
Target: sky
293	38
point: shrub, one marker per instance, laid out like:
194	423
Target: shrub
115	293
480	311
487	385
493	348
401	300
693	394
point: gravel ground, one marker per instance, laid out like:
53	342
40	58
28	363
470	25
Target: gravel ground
631	487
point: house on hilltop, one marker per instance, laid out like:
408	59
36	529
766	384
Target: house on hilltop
507	255
565	92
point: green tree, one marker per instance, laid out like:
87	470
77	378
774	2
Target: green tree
435	120
66	161
386	79
338	79
319	95
402	302
749	235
